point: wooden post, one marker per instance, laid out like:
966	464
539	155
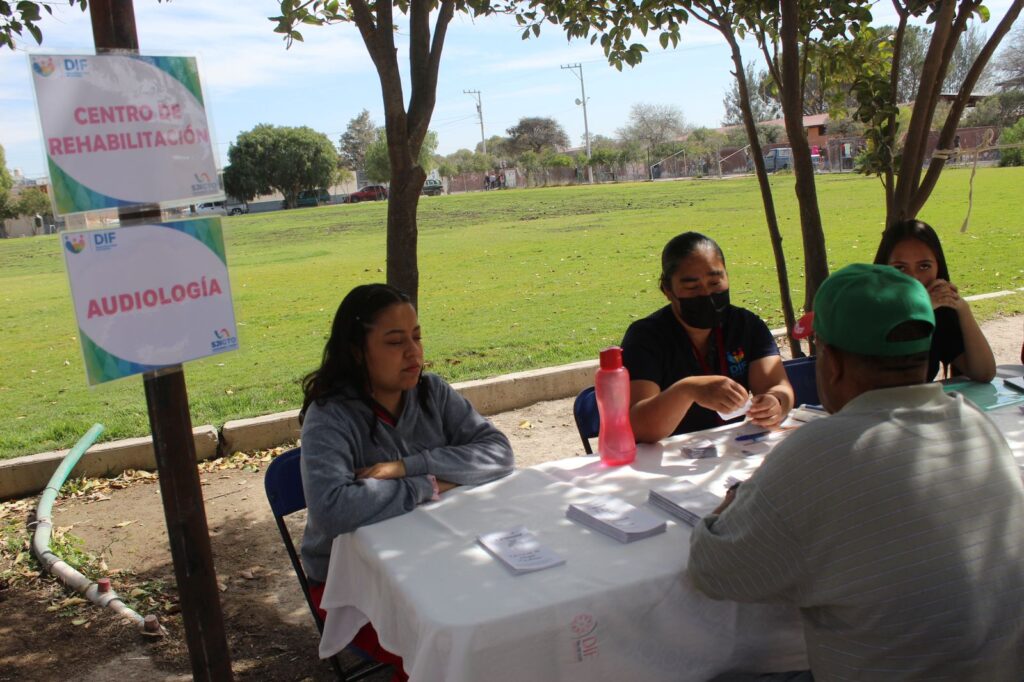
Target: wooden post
113	29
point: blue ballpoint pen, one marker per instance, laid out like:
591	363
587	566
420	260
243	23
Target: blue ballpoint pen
752	436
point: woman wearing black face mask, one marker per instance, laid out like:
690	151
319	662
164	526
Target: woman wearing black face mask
700	355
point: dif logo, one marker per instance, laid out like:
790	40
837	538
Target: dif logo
75	67
74	244
43	66
104	241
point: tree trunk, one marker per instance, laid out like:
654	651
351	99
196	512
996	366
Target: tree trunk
932	74
403	200
725	28
815	257
916	193
405	129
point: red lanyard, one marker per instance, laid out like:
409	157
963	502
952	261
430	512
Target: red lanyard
720	342
383	414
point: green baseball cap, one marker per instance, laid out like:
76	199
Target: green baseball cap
858	306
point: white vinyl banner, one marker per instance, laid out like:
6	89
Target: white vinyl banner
123	130
149	296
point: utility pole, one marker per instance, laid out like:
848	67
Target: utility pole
480	113
577	70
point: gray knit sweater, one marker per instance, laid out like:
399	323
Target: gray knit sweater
449	440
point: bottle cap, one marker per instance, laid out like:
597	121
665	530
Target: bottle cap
611	358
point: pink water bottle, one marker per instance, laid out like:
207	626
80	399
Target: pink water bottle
615	441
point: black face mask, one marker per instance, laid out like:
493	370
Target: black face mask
704	312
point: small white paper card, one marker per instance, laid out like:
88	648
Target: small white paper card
739	412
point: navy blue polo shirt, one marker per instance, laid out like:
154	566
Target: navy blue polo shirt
657	349
947	341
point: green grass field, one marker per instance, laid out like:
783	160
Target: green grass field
509	281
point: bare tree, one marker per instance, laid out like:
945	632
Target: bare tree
763	107
653	125
1009	67
964	55
357	138
536	134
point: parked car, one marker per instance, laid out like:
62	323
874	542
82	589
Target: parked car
781	158
368	193
778	159
211	208
235	207
312	197
432	188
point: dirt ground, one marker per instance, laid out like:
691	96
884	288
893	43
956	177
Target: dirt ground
45	634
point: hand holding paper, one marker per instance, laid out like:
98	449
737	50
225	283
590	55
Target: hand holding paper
765	410
738	412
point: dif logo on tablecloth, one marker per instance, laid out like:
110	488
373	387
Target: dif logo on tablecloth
584	632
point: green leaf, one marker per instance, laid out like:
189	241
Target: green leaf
663	39
983	13
29	11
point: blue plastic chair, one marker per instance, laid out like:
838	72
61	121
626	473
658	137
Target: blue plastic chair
801	375
283	483
588	419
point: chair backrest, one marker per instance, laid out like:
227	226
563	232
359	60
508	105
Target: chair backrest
283	483
588	419
800	372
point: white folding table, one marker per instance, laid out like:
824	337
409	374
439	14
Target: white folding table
611	612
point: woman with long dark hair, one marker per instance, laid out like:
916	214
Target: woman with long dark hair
379	435
957	343
700	356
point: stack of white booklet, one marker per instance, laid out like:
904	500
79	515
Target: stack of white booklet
615	518
520	550
700	449
685	501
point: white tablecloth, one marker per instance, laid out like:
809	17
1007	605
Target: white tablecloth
612	612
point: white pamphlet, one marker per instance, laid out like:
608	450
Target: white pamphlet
520	550
685	501
616	518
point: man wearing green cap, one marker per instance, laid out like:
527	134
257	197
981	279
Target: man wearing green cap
897	524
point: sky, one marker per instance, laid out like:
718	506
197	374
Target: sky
249	77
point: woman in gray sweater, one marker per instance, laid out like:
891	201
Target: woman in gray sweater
380	436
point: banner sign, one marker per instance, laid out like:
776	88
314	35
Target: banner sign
122	130
149	296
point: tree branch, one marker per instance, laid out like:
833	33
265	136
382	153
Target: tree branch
920	118
948	131
425	64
